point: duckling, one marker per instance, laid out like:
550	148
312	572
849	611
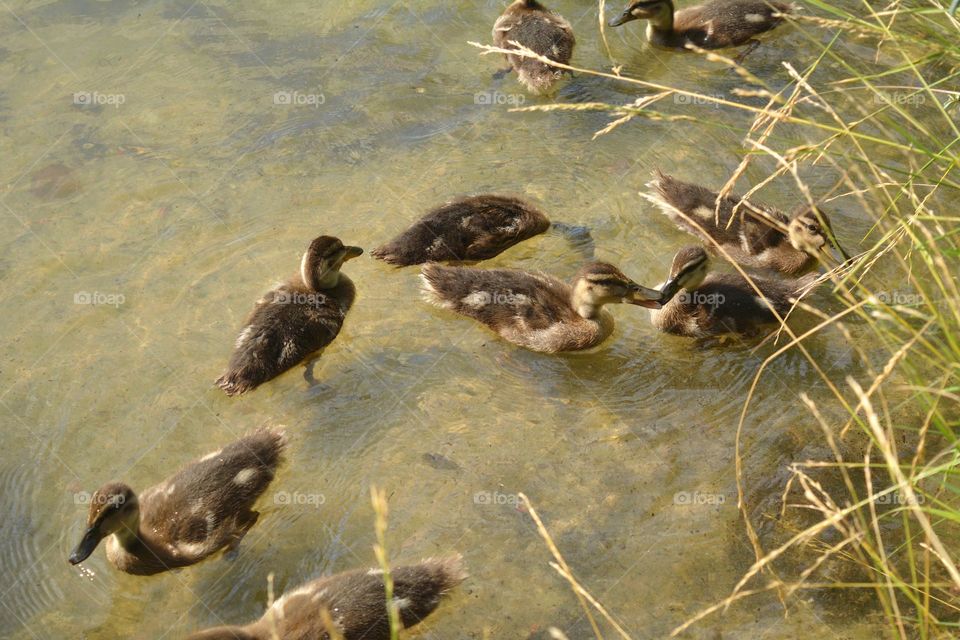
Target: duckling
534	310
542	31
294	321
699	304
467	229
756	237
714	25
355	601
201	509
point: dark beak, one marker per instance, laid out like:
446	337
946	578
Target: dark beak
351	252
623	18
669	289
91	539
643	297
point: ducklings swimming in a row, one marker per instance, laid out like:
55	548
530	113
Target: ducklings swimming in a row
355	601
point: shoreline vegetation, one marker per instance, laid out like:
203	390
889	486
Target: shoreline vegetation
881	512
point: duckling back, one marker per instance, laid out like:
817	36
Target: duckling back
468	229
356	602
547	33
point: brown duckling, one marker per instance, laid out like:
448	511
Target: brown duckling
205	507
534	310
544	32
355	602
715	24
760	236
294	321
467	229
699	304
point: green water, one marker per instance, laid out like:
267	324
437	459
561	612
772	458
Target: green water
174	190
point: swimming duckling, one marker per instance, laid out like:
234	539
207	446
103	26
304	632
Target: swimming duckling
355	601
699	304
756	237
714	25
534	310
542	31
203	508
292	322
467	229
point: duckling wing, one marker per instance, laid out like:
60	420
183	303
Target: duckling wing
512	303
693	208
475	228
288	325
728	304
727	23
207	504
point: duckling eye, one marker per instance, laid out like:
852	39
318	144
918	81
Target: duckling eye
812	228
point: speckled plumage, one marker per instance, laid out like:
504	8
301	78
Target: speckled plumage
534	310
467	229
356	602
204	507
293	321
760	236
714	25
708	304
542	31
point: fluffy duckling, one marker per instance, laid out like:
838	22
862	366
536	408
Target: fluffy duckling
534	310
468	229
294	321
542	31
355	602
203	508
699	304
715	24
760	236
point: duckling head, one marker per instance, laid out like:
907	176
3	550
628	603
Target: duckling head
113	509
320	266
599	283
688	271
809	231
656	10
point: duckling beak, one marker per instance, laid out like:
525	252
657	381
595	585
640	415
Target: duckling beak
90	540
349	253
669	289
643	297
623	18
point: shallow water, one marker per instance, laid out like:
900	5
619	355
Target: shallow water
174	190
